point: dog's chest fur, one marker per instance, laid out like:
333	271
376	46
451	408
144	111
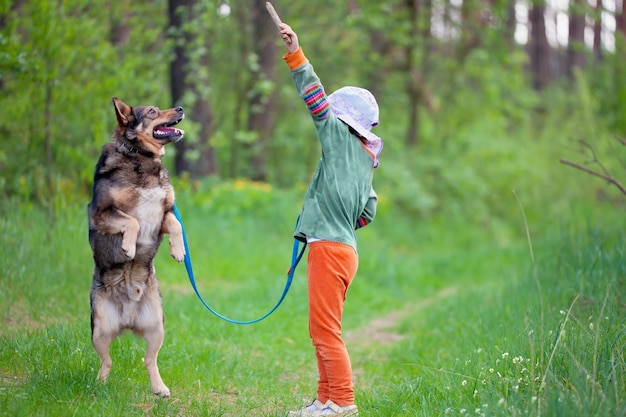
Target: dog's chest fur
149	212
137	185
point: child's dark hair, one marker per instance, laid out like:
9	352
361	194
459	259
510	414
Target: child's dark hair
354	132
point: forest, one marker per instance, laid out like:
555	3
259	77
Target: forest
490	283
477	97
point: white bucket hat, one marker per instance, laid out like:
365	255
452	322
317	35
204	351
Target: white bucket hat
357	108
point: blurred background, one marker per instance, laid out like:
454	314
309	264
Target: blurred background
481	103
478	98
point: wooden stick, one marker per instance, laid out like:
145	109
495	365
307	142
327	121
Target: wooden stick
276	19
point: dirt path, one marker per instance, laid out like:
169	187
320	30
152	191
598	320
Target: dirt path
381	331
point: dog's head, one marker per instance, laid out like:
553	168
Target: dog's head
147	128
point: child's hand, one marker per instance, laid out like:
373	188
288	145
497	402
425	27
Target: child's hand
289	35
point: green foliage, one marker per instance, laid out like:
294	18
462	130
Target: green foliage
58	72
482	131
609	84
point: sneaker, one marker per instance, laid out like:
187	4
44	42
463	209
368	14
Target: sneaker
332	409
313	409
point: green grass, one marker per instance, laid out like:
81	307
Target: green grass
444	318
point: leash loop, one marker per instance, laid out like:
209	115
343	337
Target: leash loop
296	255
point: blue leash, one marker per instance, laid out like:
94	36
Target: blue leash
295	259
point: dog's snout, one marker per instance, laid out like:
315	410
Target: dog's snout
179	109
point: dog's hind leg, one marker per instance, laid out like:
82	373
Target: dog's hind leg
154	340
103	332
101	344
172	227
150	327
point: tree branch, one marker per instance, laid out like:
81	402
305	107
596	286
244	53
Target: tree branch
595	158
606	176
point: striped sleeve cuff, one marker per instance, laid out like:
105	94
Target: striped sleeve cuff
295	59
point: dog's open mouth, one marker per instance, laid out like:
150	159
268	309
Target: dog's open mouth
167	132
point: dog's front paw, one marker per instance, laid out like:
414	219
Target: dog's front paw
129	251
129	238
129	245
178	253
177	249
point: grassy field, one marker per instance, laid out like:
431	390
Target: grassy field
445	317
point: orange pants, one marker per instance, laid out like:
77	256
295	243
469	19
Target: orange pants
331	268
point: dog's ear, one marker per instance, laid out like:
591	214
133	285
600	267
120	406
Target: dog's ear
123	112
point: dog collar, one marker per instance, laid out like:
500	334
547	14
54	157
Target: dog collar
124	149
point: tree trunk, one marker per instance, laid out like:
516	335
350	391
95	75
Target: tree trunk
470	25
120	22
538	48
576	42
377	74
511	24
243	86
414	89
262	102
207	164
185	83
177	73
597	31
620	16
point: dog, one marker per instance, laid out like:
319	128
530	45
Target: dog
130	211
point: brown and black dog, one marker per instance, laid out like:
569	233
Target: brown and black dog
129	213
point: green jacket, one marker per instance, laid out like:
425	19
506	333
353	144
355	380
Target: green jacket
340	197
